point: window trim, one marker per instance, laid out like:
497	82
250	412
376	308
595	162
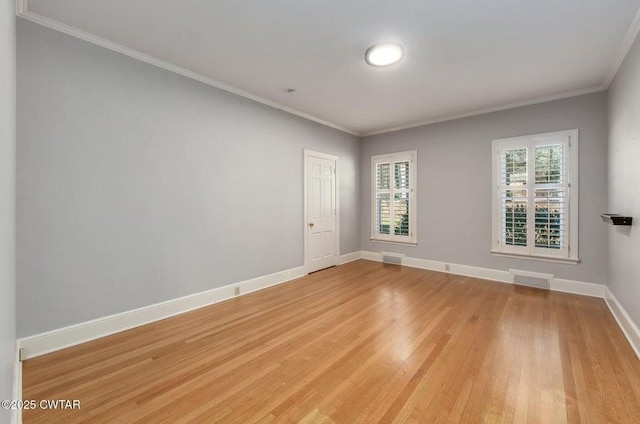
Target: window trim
571	172
412	157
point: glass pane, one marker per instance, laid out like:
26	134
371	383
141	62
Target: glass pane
383	176
550	218
383	213
549	164
401	175
514	217
514	167
401	214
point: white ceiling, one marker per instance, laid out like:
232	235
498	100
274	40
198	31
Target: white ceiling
462	56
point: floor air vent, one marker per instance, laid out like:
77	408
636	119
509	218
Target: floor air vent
531	279
392	258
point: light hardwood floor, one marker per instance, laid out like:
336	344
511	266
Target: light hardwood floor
363	342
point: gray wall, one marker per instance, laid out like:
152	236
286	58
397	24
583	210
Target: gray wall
7	202
454	184
624	183
136	185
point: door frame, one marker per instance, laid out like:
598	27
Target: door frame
309	154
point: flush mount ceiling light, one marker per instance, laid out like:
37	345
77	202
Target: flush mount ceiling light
384	54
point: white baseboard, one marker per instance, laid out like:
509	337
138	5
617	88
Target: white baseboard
557	284
484	273
54	340
578	287
458	269
349	257
628	327
422	264
466	270
371	256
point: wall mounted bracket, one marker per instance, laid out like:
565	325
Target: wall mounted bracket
615	219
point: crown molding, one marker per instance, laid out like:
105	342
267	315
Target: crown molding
24	13
490	109
623	50
21	7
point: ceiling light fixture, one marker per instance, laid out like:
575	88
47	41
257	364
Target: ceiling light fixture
384	54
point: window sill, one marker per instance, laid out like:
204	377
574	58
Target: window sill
573	261
402	243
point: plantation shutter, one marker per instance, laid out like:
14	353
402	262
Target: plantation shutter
401	198
550	196
533	195
514	197
383	198
393	198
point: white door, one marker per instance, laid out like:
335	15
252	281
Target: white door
321	220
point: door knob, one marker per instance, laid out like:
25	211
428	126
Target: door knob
311	225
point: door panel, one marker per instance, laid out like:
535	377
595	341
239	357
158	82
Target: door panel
321	225
315	242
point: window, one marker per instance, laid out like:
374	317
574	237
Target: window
393	203
535	196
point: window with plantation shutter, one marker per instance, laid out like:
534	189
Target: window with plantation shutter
535	196
393	197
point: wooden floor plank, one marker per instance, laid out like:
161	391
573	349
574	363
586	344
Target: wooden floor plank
360	343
